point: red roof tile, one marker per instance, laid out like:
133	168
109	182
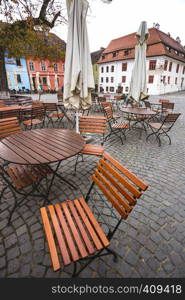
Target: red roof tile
156	43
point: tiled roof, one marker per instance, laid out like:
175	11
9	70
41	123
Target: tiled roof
158	43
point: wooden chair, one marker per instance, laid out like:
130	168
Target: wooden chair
115	128
94	125
52	113
163	127
76	230
9	126
109	104
18	177
100	101
37	117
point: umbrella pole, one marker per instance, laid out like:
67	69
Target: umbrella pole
77	122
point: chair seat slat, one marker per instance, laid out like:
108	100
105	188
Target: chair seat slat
60	238
67	233
96	240
78	220
50	239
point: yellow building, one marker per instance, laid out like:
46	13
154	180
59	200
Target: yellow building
95	56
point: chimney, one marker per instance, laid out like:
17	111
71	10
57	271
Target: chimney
178	39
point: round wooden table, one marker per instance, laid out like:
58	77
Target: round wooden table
42	146
138	111
141	115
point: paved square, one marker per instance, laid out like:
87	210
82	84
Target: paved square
151	242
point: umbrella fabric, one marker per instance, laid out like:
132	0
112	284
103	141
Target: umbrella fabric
78	75
138	85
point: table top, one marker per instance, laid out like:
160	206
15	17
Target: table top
138	111
41	146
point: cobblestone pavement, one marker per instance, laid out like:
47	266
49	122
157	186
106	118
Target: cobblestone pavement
151	242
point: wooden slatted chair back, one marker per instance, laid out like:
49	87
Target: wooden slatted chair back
38	111
9	126
92	124
50	107
107	108
168	105
164	100
120	186
171	118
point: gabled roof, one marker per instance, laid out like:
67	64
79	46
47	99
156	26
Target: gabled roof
159	43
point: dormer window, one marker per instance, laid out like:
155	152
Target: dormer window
126	52
168	48
103	56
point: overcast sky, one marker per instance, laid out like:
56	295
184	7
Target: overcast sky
109	21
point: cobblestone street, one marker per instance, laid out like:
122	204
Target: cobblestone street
151	242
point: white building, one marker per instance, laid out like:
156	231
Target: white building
165	64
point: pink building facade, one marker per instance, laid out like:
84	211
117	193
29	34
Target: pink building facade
45	75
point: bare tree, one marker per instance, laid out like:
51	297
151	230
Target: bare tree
24	27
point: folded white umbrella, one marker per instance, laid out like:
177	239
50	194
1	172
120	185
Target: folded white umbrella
78	74
138	84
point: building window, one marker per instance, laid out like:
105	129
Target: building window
114	54
18	62
107	88
31	65
177	68
124	67
44	80
150	79
183	70
126	52
112	68
152	64
175	80
55	67
123	79
43	66
107	69
112	79
170	66
126	89
103	56
58	81
164	79
101	69
111	89
101	79
168	79
107	79
19	78
165	65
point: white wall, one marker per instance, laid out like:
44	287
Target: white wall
155	88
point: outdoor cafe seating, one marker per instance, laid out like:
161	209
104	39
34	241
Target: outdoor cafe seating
93	125
77	230
17	177
116	128
163	127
